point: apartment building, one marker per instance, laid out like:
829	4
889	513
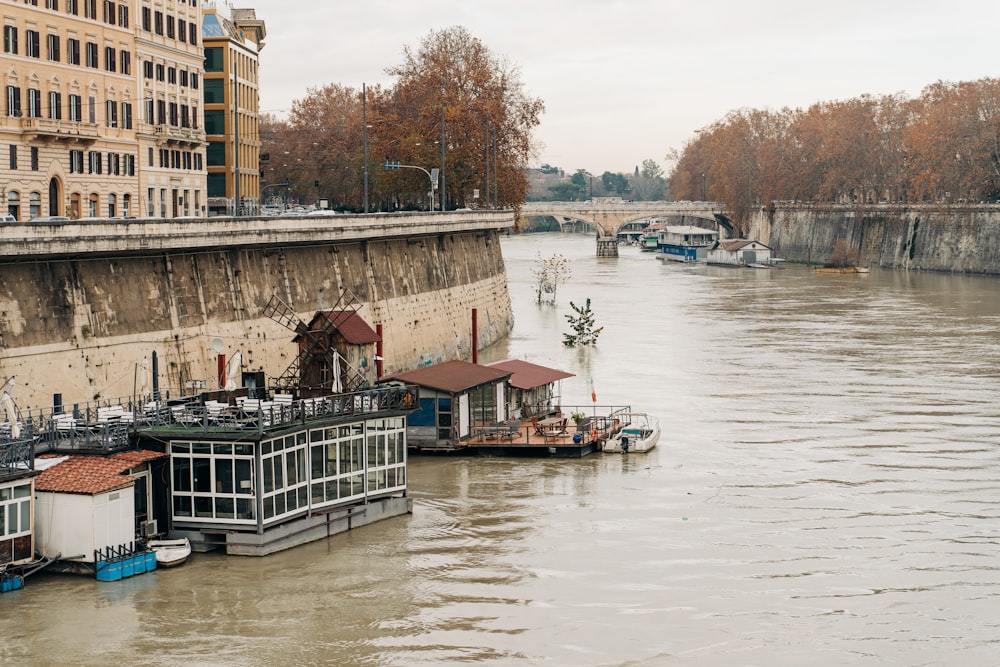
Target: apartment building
67	128
233	39
169	132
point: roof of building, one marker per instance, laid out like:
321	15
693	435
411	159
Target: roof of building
452	376
91	474
526	375
351	326
733	245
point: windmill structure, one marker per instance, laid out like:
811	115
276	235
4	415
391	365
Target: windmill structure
324	359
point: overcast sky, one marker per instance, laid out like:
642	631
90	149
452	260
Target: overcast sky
628	80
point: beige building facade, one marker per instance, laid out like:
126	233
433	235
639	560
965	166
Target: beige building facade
88	127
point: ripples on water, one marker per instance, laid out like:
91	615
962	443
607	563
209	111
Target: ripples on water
826	491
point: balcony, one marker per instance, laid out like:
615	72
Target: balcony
59	130
168	135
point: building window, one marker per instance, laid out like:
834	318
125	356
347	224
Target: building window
34	103
73	51
161	112
185	116
34	158
216	154
123	15
13	101
215	91
90	9
92	206
184	77
217	185
150	194
52	4
112	205
34	43
111	108
158	23
213	59
72	7
15	509
198	164
91	110
127	115
160	69
147	19
173	114
126	62
214	481
94	164
52	42
194	80
55	105
171	75
215	122
13	157
109	58
182	30
14	203
109	12
76	162
192	34
92	55
34	204
148	104
170	27
10	39
75	108
126	204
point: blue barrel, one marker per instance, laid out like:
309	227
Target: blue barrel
109	570
150	560
128	566
12	583
139	562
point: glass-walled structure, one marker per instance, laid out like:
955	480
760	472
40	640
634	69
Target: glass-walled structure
253	485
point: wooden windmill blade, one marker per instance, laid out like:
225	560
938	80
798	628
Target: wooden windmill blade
282	313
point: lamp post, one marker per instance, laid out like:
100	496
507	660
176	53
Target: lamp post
432	175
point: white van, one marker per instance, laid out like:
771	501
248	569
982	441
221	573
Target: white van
7	217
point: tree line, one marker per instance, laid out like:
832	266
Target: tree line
942	146
646	183
455	108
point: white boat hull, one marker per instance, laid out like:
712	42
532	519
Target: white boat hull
170	553
640	434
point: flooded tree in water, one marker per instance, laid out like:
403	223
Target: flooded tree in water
582	325
549	273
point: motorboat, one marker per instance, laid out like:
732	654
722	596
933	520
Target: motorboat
639	433
170	553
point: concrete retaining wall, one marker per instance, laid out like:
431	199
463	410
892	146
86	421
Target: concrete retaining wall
962	239
79	326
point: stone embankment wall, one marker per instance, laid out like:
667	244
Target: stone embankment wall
81	326
962	239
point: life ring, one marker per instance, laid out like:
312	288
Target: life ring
407	400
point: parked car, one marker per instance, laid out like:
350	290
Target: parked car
7	217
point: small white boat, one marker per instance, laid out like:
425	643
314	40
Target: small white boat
639	434
170	552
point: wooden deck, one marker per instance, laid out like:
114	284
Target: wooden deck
556	436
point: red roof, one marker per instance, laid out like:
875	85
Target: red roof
351	326
452	376
527	375
90	475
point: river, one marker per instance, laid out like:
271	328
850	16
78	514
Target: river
826	491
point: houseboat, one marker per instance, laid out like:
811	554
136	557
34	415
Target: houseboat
740	252
686	243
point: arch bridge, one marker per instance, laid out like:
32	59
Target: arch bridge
608	215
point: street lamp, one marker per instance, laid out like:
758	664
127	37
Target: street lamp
393	165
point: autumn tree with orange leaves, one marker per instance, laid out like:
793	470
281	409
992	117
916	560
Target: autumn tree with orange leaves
450	92
943	146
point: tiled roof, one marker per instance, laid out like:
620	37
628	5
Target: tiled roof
451	376
91	475
351	326
527	375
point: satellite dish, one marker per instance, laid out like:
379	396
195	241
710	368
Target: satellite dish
218	345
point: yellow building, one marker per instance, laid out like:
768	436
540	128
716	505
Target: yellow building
81	131
233	40
170	70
